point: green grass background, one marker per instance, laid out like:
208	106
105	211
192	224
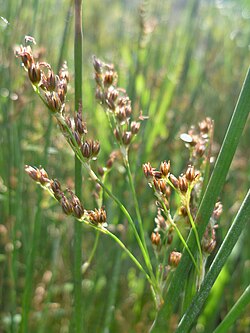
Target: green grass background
189	65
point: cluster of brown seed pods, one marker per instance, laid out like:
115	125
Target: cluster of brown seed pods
70	203
115	102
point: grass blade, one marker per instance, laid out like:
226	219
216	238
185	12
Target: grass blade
78	304
235	312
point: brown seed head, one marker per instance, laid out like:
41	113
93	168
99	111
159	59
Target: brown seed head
86	149
97	65
170	238
53	101
95	148
25	54
160	222
34	72
43	176
190	173
156	184
77	138
51	81
108	78
183	184
61	95
66	205
165	168
135	126
32	172
148	170
98	79
121	115
56	188
97	216
117	134
174	180
101	171
163	186
112	95
156	238
126	138
174	258
183	211
200	149
209	241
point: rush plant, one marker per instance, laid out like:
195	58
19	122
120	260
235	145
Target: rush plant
187	206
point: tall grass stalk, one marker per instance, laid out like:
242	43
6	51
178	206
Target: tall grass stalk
78	303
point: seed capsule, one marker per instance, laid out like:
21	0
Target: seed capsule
34	73
174	258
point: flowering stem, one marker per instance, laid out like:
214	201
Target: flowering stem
73	144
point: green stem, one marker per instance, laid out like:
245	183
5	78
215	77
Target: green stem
137	209
131	222
194	230
173	224
26	302
126	213
78	304
120	243
88	262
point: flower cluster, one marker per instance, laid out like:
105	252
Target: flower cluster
70	203
199	140
187	186
43	77
52	89
115	102
162	181
89	148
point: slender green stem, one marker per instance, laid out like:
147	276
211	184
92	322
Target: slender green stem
169	217
137	209
26	302
194	228
88	262
78	304
118	241
131	222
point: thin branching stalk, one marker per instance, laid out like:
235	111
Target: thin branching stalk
173	224
195	233
137	209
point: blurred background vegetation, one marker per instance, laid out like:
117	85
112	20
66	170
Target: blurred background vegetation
180	61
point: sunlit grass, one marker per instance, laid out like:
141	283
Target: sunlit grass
184	63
